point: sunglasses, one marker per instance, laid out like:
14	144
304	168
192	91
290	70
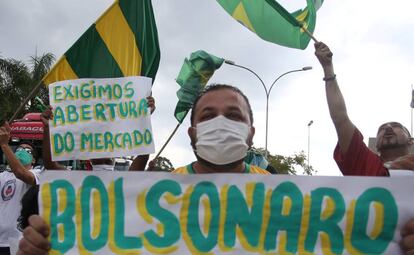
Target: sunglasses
24	149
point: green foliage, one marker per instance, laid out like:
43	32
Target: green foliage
162	164
289	164
17	80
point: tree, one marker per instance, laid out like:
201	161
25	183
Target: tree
17	80
288	164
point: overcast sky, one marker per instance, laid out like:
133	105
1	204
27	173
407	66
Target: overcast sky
373	50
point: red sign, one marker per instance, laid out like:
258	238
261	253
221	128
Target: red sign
28	128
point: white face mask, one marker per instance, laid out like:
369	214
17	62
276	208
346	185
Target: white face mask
222	141
103	167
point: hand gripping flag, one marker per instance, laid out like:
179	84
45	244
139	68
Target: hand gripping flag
273	23
193	77
122	42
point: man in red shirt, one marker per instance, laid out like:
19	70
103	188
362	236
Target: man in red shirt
351	154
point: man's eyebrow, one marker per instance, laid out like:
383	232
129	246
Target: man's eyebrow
234	108
207	109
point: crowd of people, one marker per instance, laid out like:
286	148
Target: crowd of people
221	134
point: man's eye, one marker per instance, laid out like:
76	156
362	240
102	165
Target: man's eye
235	116
206	117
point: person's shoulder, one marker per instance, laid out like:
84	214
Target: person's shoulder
188	169
180	170
6	174
37	170
357	134
257	170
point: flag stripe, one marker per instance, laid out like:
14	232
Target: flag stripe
282	11
301	17
241	15
61	71
90	58
140	17
120	41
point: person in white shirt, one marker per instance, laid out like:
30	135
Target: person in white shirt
13	185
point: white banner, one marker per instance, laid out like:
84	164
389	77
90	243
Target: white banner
133	213
99	118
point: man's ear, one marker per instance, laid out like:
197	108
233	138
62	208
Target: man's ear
250	137
191	132
411	141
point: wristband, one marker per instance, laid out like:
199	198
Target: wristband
333	77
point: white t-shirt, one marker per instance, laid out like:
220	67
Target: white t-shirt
11	193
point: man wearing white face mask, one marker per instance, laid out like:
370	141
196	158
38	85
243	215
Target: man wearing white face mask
13	185
221	132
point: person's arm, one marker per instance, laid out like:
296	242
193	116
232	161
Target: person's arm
46	153
34	241
405	163
139	163
336	103
16	166
151	103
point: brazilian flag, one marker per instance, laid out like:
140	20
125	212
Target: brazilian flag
273	23
193	77
122	42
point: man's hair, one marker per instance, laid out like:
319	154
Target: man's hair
31	145
406	130
215	87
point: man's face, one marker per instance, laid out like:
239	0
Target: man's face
224	102
27	148
392	135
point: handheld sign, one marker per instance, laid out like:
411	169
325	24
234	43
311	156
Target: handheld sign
97	118
160	213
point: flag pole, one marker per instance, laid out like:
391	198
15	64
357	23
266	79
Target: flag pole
30	96
169	138
308	33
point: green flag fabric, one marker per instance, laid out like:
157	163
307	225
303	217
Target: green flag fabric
122	42
193	77
273	23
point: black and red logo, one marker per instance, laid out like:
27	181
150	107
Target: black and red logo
8	190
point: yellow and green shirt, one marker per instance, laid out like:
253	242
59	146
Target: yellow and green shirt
248	169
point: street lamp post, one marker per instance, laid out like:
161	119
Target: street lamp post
267	91
309	125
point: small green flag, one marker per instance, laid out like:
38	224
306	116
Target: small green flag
273	23
193	77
